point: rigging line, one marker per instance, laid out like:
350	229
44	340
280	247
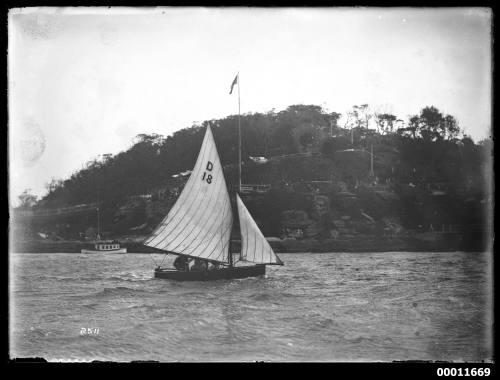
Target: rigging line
247	239
261	244
221	231
254	235
193	188
227	199
164	257
255	240
188	188
152	258
243	239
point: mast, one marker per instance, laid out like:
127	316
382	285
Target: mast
239	135
230	254
98	225
230	258
98	237
371	161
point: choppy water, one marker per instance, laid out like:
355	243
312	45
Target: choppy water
318	307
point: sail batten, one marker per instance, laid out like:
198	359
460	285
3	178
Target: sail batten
254	246
199	224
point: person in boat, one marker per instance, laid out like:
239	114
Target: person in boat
181	263
213	266
199	265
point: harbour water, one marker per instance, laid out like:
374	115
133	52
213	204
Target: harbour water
318	307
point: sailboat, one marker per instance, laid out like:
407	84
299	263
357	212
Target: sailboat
199	224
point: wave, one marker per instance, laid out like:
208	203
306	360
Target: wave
41	333
71	278
120	291
272	296
93	305
352	338
146	307
132	277
128	276
261	297
193	294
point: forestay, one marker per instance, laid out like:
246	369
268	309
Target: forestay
199	224
254	246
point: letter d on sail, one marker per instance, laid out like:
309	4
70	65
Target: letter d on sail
210	166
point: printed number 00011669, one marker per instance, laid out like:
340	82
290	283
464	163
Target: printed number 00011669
463	371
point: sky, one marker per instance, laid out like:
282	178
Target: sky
83	82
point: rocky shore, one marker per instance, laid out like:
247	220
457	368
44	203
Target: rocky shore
361	243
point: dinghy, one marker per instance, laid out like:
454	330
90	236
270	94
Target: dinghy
199	224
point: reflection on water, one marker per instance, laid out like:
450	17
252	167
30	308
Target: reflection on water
318	307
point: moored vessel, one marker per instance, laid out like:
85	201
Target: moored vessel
106	246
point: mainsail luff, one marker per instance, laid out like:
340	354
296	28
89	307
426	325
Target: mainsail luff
199	224
254	246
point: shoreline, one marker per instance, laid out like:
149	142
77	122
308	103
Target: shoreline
359	244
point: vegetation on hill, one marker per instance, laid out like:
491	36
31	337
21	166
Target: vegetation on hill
425	172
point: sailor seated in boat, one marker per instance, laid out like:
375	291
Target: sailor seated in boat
213	266
199	265
181	263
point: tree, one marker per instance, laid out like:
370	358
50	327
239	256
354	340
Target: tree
385	122
26	199
411	129
151	139
362	115
333	119
306	139
55	184
431	123
452	130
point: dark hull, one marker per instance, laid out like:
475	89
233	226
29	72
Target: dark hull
219	274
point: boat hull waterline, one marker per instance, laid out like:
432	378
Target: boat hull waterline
89	251
210	275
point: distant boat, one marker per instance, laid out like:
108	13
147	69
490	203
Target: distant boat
104	246
199	225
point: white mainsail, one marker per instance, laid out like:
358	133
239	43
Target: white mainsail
254	246
199	224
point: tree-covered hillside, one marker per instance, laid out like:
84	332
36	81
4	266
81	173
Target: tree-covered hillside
372	167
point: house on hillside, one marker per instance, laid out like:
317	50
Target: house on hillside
255	189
